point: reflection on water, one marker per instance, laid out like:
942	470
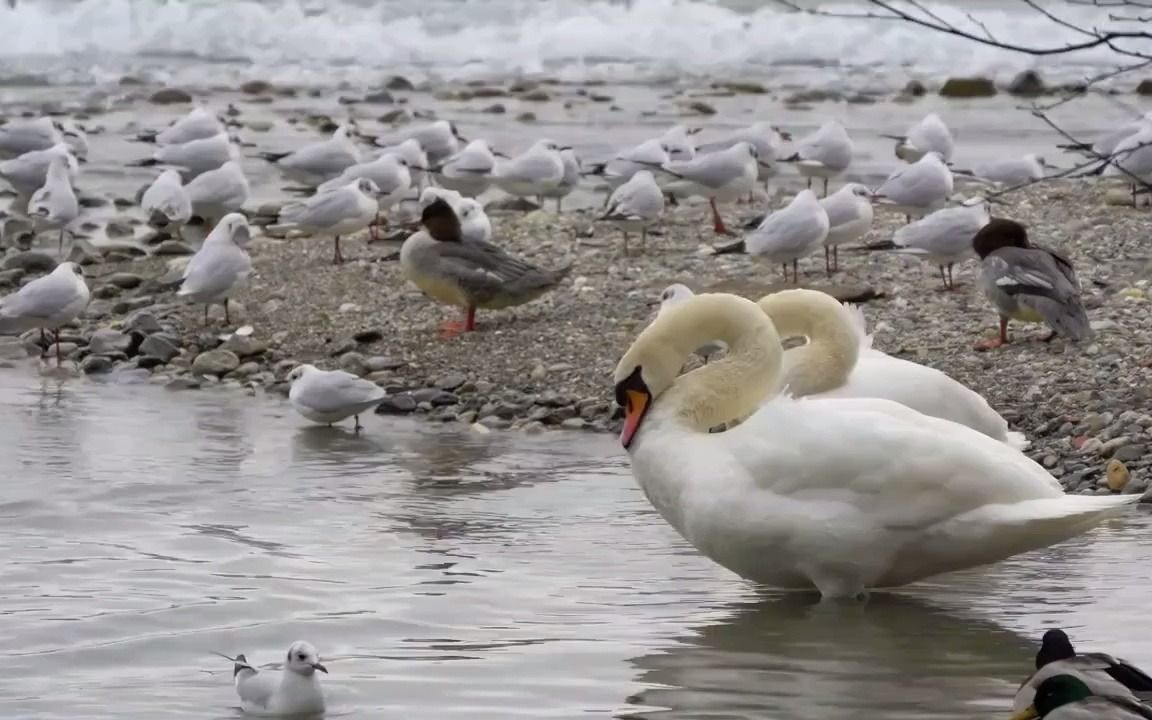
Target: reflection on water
449	574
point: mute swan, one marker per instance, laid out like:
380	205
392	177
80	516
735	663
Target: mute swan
1100	672
838	494
839	361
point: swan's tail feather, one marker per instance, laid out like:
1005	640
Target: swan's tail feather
1017	440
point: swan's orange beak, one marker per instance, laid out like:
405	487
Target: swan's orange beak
637	402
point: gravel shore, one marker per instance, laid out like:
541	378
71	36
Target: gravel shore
548	364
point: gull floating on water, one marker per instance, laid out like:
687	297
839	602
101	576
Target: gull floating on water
919	188
335	212
849	219
1028	283
46	303
329	396
944	237
293	690
931	134
216	193
824	154
54	205
166	203
220	266
312	164
470	275
439	139
721	176
537	170
468	172
195	156
793	232
636	205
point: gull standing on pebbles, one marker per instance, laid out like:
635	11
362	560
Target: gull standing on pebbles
469	275
677	139
1028	283
54	205
198	124
414	156
635	205
294	690
166	203
28	173
824	154
849	219
765	137
218	192
928	135
312	164
1013	171
46	303
1132	159
570	179
440	139
676	294
390	174
195	156
793	232
220	266
335	212
538	170
944	238
21	136
329	396
722	176
468	172
628	162
919	188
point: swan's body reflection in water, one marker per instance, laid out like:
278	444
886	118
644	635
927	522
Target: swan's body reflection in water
791	657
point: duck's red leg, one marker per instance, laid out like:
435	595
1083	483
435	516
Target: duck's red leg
717	221
992	343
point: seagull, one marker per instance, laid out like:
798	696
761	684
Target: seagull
635	205
413	154
928	135
439	139
824	154
165	201
312	164
795	231
1014	171
765	137
200	123
849	219
338	211
195	156
28	172
620	169
220	266
294	690
21	136
1132	159
944	237
919	188
722	176
570	179
390	174
468	172
46	303
54	205
216	193
538	169
329	396
677	139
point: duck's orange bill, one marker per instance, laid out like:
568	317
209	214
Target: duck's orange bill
637	405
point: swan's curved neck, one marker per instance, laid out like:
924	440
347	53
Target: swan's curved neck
829	356
734	386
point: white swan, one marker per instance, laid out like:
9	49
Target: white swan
839	361
838	494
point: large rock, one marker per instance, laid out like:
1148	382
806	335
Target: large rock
106	340
1027	83
215	362
125	280
1145	87
968	87
244	345
96	365
143	322
160	347
173	247
170	96
31	261
83	252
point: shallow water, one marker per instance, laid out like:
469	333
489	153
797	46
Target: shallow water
447	574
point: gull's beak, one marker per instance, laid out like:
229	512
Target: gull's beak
321	668
1028	713
783	133
497	153
421	169
562	148
1049	166
637	404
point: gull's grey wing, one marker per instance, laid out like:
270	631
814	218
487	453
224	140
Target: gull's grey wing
216	187
788	230
321	159
168	199
944	232
633	201
532	167
258	688
840	209
470	160
215	269
323	210
711	170
338	390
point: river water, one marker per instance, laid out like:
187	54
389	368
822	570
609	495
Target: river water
448	574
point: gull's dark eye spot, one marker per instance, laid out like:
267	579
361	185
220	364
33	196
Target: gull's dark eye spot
301	656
